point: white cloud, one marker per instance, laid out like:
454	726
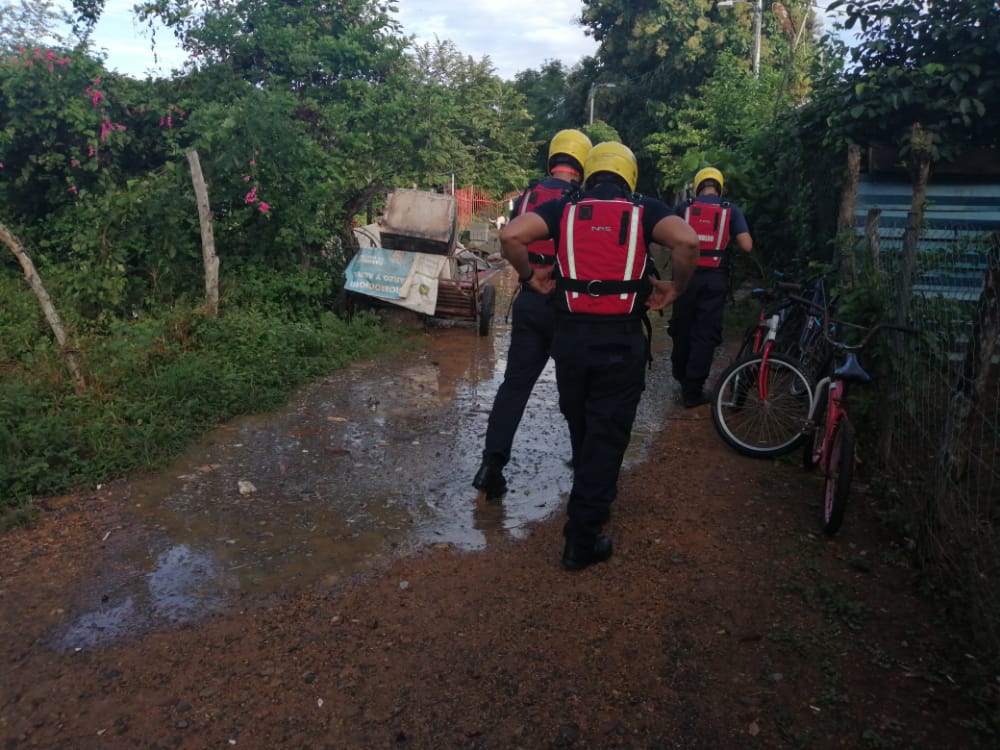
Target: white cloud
515	35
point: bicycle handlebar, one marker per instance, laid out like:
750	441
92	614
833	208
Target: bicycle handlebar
871	333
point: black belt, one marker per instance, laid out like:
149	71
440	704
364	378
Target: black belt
611	327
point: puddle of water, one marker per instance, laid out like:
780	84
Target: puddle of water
374	458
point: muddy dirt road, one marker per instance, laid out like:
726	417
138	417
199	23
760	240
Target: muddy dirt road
323	577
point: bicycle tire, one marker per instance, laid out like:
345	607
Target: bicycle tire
762	425
813	438
839	475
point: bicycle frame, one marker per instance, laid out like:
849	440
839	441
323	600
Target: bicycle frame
836	396
772	333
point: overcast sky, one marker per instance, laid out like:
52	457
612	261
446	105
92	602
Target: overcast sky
515	34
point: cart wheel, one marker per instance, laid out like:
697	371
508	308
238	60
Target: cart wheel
487	301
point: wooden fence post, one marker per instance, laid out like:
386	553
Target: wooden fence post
846	242
211	260
55	322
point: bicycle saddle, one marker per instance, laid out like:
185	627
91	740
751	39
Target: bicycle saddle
851	370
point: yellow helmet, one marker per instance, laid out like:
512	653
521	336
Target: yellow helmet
616	158
571	143
708	173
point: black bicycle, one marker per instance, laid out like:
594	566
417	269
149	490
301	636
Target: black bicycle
758	401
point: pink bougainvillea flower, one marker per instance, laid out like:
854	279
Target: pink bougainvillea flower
264	207
74	163
246	178
72	189
251	197
253	163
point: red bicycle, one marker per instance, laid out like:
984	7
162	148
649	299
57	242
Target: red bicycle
761	401
832	447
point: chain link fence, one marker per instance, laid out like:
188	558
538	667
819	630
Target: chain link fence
940	417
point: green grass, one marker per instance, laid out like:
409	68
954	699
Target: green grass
153	386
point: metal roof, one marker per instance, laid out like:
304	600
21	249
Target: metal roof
969	206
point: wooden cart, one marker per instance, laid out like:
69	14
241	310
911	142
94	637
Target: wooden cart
425	224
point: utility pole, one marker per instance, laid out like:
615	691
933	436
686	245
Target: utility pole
593	88
758	11
757	6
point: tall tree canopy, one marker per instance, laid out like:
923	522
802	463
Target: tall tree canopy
932	62
664	56
25	23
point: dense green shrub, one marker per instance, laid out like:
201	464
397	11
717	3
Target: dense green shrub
156	383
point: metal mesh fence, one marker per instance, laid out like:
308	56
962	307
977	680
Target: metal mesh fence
940	447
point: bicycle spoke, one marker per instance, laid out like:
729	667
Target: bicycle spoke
760	407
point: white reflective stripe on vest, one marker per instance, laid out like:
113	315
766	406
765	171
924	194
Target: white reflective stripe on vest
723	226
633	246
633	237
523	207
570	250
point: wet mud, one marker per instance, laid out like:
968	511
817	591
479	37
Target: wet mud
365	464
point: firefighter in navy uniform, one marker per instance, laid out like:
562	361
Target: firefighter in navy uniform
531	318
696	319
603	284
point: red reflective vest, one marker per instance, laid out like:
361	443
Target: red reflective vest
711	222
543	252
601	256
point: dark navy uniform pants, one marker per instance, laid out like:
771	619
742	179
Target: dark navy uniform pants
696	328
601	374
530	341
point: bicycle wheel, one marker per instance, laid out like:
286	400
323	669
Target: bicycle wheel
812	440
760	406
839	474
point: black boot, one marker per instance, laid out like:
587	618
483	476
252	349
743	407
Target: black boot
489	479
691	400
578	556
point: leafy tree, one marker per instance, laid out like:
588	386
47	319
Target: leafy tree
471	122
714	125
655	52
27	23
921	61
544	92
61	130
659	52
